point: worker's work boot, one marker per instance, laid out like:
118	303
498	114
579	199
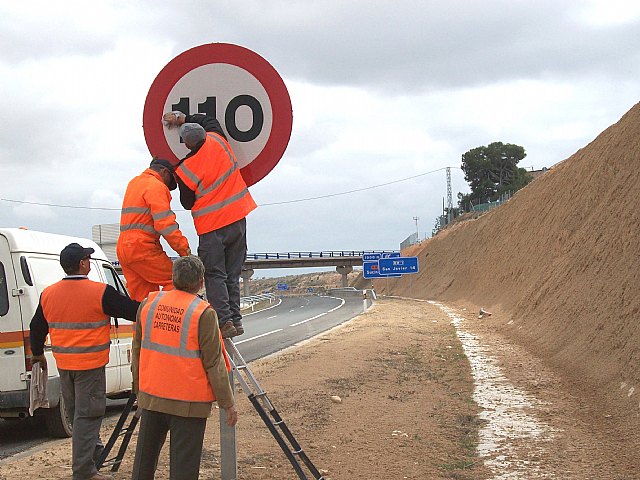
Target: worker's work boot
101	476
239	328
228	330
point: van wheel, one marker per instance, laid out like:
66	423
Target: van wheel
57	421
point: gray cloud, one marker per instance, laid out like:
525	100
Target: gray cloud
398	47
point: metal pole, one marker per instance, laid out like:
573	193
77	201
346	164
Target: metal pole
228	450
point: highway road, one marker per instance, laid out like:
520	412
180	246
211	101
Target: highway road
290	320
293	319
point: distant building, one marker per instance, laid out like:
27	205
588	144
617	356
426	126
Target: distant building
106	235
536	173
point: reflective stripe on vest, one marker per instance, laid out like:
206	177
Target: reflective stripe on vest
170	365
138	226
221	194
78	327
138	217
95	348
181	351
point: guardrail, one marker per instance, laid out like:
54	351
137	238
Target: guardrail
251	301
322	254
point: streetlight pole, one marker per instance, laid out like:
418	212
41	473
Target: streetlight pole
416	220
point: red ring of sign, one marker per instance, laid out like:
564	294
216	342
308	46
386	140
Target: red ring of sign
230	54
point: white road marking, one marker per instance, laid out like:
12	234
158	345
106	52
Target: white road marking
342	302
257	336
307	320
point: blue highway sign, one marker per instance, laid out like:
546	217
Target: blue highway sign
282	286
371	270
398	265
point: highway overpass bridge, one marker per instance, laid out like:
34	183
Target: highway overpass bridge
343	260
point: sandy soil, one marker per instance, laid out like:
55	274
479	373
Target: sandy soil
405	412
410	408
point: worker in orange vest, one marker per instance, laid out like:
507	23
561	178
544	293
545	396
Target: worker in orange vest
212	187
146	215
179	368
75	312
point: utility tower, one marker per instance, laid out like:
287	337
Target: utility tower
415	219
449	198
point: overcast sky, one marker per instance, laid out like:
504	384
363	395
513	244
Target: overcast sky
381	91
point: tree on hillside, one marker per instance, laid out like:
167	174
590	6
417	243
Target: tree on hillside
492	171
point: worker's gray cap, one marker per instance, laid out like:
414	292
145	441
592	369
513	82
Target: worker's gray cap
192	133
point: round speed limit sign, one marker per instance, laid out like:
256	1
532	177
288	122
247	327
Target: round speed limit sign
237	86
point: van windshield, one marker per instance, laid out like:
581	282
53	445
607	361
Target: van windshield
113	279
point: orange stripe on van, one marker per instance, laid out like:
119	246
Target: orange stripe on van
128	328
12	339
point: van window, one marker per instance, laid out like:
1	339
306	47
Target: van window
46	270
113	279
4	292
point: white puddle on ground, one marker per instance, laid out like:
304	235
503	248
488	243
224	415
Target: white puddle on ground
512	441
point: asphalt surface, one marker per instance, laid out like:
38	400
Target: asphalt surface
290	320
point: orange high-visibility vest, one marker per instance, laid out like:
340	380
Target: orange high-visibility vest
222	196
78	327
146	212
170	362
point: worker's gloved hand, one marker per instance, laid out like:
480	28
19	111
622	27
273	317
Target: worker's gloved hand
39	359
173	119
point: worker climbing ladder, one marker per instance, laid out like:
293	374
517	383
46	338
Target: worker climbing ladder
258	398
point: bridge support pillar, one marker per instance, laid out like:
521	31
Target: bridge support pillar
246	276
344	271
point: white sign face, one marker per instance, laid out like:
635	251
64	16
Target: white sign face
246	118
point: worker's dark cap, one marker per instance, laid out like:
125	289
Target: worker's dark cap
71	255
165	163
169	166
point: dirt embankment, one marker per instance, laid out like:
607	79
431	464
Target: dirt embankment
561	261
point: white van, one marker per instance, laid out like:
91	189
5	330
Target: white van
29	262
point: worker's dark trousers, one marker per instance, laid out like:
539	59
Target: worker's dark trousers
223	252
84	395
185	445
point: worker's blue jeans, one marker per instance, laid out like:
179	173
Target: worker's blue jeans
223	252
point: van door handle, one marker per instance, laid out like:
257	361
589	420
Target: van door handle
16	292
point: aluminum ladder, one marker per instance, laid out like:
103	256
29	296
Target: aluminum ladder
269	415
130	411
